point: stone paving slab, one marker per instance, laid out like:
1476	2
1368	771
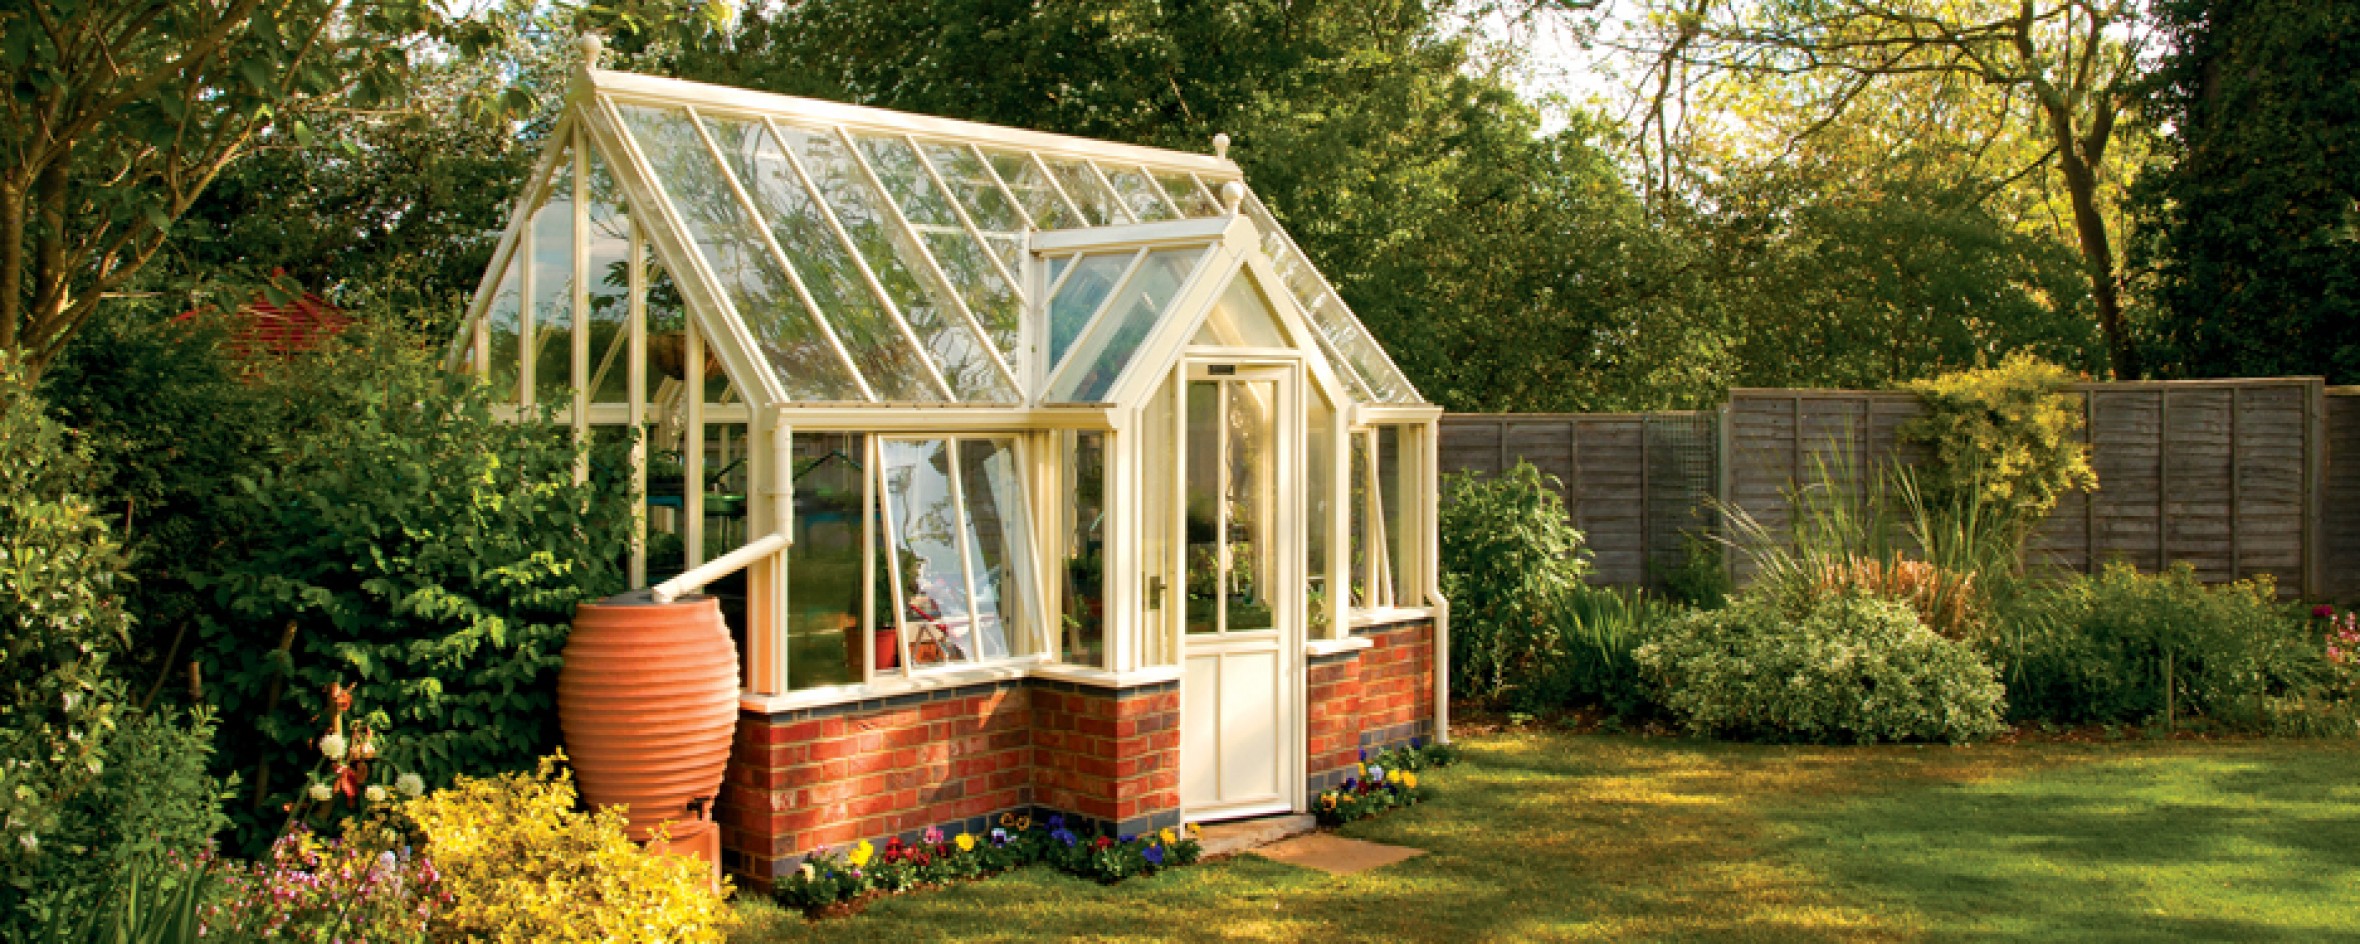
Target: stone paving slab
1335	854
1230	838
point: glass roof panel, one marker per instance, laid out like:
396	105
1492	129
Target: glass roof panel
1080	297
1344	335
798	348
1138	193
1194	200
1001	223
968	264
871	336
966	365
1099	358
1241	317
1099	205
609	288
1042	206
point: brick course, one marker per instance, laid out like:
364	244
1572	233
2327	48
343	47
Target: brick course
1372	698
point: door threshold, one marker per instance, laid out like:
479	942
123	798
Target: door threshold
1235	836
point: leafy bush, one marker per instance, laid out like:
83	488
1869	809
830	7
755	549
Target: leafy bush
827	878
2119	646
2003	436
1511	563
1850	668
91	789
521	864
416	550
317	888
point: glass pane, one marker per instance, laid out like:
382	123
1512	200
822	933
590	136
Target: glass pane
1194	201
1203	512
925	539
967	263
1390	456
786	333
1080	297
995	542
941	330
1319	463
1138	193
553	290
972	184
824	644
1056	270
1084	516
1250	483
1241	317
726	478
1167	579
609	287
1042	206
1364	594
895	370
1098	204
1137	306
501	319
1343	333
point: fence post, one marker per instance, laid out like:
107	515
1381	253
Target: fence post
1724	479
2314	485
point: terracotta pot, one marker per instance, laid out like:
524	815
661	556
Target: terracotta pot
648	701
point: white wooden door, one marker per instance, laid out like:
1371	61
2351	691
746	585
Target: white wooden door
1241	601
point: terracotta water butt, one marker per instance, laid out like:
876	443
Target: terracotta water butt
648	702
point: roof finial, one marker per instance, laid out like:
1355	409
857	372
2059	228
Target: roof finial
1221	144
1233	193
592	47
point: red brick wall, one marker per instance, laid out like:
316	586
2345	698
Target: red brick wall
1370	698
956	758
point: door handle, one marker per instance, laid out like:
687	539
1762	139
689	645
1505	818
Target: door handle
1155	593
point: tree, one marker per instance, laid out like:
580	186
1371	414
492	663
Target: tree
2253	227
120	113
2065	72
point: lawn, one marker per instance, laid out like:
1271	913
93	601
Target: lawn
1546	836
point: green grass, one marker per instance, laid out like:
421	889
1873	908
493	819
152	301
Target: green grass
1559	838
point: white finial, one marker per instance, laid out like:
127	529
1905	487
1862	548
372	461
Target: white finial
592	47
1233	194
1221	144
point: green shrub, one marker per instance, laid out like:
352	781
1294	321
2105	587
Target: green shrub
1852	668
91	789
1512	561
2100	649
2003	436
415	549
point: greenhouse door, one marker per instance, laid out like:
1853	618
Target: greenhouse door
1242	639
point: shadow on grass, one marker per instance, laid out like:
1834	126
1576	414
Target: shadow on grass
2255	842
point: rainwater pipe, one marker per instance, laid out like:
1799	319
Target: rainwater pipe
781	491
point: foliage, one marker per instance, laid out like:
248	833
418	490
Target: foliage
1701	579
2122	647
1851	668
1511	563
152	903
1388	780
91	788
2248	219
520	864
2003	435
826	878
414	550
119	115
1943	600
314	888
173	419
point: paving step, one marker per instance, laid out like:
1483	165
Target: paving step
1231	838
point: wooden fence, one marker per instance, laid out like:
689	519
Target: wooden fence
2234	477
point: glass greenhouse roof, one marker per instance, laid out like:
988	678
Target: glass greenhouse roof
866	256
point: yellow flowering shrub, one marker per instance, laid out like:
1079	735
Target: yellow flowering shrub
521	864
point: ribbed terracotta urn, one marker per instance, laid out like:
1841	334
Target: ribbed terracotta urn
648	701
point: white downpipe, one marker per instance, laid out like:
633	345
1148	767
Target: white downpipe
782	449
695	578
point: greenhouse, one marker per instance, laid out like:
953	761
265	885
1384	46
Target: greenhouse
1033	473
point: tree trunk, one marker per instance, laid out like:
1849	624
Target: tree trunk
2097	251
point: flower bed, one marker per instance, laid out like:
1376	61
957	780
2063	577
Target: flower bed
828	879
1386	780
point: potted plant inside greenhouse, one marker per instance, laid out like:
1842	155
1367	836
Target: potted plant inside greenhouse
1033	450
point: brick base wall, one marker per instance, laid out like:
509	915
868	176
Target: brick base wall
1372	698
958	758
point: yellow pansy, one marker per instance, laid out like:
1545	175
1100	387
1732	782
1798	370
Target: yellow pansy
1194	829
860	854
966	842
1167	836
1410	780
